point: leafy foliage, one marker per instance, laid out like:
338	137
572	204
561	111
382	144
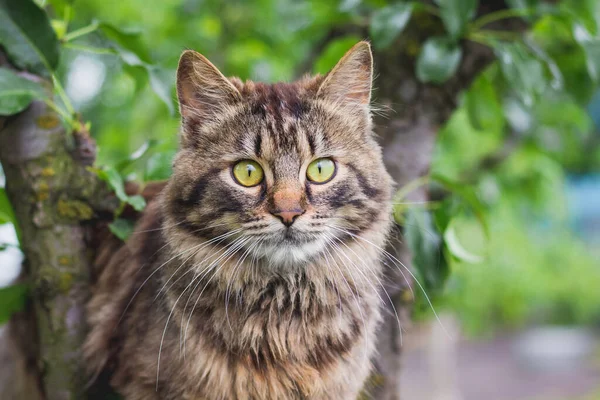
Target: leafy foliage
457	248
388	22
116	182
158	166
438	60
27	36
483	105
121	228
333	52
128	46
6	212
456	14
136	156
524	72
426	245
12	299
17	93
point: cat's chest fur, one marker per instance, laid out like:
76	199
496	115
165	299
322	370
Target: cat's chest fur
301	335
272	340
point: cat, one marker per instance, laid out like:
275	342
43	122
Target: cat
255	273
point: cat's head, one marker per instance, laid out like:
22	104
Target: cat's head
283	169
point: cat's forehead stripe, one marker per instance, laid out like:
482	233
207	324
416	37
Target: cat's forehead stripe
281	131
280	99
258	144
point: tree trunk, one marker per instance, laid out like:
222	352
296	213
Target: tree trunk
53	194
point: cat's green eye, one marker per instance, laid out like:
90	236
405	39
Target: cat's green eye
320	170
248	173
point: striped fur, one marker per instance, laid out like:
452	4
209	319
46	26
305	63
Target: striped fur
213	297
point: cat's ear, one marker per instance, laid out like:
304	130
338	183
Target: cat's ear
202	89
351	80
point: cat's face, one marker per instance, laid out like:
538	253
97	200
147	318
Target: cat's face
282	170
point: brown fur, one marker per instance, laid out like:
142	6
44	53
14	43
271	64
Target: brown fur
213	297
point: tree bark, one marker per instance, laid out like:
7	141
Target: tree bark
53	195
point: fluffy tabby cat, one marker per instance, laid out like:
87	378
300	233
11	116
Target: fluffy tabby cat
255	272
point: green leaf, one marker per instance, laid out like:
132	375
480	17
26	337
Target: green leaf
557	77
16	93
591	46
522	71
7	214
12	300
483	105
563	114
60	7
138	74
129	47
121	228
128	41
523	3
584	12
425	243
439	60
137	202
456	14
115	181
332	53
519	116
468	195
162	83
388	22
60	27
142	151
159	166
456	248
28	37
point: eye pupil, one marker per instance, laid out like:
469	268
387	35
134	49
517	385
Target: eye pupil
321	170
247	173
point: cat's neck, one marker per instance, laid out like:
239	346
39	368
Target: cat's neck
312	315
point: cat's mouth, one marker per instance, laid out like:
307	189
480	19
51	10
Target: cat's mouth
290	246
292	235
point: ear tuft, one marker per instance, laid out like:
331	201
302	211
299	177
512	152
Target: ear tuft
202	89
351	80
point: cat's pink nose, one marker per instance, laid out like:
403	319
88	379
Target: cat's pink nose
288	216
287	204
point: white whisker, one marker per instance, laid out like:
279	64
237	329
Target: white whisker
217	240
231	251
167	324
378	281
354	295
233	273
396	262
